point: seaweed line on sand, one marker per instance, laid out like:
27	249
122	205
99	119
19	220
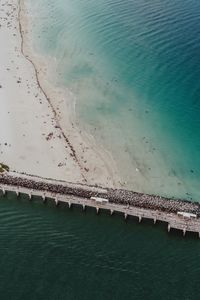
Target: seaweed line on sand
73	152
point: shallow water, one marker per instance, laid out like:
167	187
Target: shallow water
134	69
57	253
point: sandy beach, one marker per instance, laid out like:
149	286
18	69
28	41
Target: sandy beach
37	132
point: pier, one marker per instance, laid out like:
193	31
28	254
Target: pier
108	199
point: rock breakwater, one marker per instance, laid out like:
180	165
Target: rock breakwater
116	196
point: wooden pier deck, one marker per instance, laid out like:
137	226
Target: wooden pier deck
173	220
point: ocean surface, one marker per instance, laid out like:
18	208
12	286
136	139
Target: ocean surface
60	253
133	67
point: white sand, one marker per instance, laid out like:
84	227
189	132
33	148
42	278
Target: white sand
30	139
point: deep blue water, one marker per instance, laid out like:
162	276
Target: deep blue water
134	69
57	253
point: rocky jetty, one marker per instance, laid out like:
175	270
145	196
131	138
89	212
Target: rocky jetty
116	196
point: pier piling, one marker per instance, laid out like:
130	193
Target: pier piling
44	198
56	201
4	191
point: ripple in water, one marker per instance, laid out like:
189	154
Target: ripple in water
134	68
60	253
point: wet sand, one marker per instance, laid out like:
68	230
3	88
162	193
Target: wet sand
37	131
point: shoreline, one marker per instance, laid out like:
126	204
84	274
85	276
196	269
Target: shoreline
145	173
95	163
30	139
41	135
41	88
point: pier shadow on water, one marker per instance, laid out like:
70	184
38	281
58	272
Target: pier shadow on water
49	204
50	252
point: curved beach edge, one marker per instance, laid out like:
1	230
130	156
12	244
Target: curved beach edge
96	165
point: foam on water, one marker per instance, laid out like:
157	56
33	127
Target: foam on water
133	67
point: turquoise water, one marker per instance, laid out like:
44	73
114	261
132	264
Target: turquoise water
133	66
57	253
